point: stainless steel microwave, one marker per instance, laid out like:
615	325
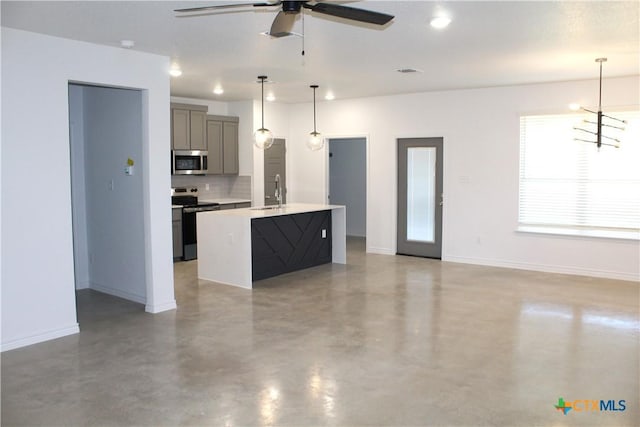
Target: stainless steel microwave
186	162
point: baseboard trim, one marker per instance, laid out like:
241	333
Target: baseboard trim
118	293
546	268
158	308
379	251
38	338
83	285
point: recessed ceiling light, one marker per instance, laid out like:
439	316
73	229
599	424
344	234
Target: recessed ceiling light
175	71
574	106
270	97
218	90
329	96
127	44
440	22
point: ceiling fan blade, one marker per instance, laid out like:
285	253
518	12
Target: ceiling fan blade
282	24
227	6
352	13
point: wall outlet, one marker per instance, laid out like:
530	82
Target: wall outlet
206	187
324	233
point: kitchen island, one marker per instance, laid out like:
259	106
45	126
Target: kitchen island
239	246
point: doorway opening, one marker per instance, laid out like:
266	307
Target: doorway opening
107	191
348	184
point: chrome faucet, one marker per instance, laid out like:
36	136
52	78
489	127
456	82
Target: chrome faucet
278	192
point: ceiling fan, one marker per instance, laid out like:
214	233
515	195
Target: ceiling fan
283	23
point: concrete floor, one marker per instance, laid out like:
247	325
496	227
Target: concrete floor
384	340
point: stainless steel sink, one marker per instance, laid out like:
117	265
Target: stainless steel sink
267	208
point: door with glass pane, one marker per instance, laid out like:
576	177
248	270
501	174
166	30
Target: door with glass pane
420	197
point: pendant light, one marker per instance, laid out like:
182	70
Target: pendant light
315	141
600	138
262	138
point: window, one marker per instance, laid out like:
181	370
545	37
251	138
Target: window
571	187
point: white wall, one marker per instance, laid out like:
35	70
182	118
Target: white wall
481	155
38	295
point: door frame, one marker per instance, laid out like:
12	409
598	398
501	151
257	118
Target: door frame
397	190
81	218
327	175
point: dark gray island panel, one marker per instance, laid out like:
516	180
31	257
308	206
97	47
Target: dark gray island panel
282	244
226	255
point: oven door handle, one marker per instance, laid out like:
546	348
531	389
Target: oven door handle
200	209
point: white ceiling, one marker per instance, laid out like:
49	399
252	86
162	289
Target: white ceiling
487	44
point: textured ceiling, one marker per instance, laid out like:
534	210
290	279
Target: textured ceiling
487	44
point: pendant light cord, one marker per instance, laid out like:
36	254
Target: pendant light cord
600	94
314	110
262	85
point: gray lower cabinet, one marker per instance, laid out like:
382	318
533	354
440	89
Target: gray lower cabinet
188	127
176	215
222	142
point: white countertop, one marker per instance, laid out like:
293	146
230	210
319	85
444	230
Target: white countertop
288	209
225	200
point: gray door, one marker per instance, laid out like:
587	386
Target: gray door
348	181
275	163
420	197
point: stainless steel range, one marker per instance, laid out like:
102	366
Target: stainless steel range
187	197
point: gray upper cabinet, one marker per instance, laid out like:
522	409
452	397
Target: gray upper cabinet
222	140
214	142
230	148
198	130
180	129
188	127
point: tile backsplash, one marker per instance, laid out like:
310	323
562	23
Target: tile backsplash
236	187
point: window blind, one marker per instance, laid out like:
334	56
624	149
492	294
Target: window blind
571	184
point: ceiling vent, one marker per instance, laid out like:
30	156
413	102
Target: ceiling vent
408	70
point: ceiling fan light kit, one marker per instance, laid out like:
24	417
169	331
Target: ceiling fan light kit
284	20
600	138
262	138
281	27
